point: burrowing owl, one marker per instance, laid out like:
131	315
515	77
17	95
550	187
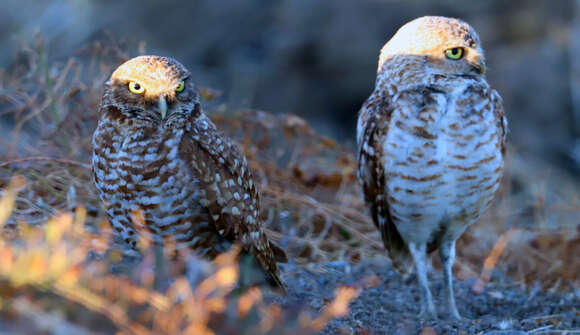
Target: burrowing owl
157	154
431	140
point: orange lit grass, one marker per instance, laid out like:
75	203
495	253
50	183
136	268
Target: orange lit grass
491	260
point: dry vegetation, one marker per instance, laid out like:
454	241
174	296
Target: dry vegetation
55	258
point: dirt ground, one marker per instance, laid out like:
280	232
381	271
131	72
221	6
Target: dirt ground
392	307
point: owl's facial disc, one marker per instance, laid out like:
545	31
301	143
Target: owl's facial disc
154	84
438	45
150	96
457	60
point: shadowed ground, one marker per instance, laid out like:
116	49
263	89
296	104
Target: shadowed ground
390	305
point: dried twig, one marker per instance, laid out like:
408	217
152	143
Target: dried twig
45	160
491	260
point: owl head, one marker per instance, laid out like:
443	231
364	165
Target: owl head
151	89
438	45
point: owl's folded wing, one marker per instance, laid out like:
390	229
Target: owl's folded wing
501	119
374	121
229	192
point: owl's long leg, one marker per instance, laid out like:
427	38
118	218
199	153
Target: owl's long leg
161	280
419	253
447	254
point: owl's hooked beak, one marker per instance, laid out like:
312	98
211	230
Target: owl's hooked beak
480	68
162	105
483	69
478	65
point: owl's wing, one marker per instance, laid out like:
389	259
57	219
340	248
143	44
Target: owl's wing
229	193
500	118
373	125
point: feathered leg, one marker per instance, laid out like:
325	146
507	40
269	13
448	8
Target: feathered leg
447	254
161	281
419	254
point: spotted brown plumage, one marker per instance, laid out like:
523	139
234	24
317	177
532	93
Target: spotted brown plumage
431	140
157	157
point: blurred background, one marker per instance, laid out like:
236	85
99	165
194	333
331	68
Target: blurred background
259	63
317	59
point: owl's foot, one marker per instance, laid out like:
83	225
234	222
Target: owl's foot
454	314
428	310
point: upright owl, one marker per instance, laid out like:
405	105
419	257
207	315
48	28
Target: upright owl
431	142
158	157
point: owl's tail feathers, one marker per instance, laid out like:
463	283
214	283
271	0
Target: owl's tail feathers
279	253
402	261
397	248
257	270
276	283
273	275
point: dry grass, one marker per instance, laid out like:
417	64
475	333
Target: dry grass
52	221
50	280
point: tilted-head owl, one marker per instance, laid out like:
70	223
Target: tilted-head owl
431	143
157	154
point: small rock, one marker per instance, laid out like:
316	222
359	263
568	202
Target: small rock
428	331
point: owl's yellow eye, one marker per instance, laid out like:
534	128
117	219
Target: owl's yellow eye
136	88
180	87
454	53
